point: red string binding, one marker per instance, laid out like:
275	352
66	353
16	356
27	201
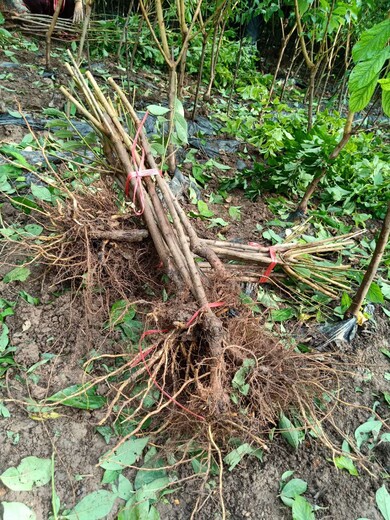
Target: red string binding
270	268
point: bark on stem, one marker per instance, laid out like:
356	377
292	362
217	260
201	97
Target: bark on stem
369	276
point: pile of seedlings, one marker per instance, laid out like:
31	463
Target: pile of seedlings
204	335
203	358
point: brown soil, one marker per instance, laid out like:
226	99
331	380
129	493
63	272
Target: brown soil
60	326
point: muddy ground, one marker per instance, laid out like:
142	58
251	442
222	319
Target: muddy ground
59	326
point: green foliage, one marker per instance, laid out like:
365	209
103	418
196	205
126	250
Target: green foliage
13	510
31	472
370	54
291	492
357	180
234	457
94	506
290	432
382	497
83	397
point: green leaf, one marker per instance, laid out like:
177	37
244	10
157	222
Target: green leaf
235	213
385	83
382	497
94	506
371	41
385	352
41	192
291	490
282	314
235	456
302	509
19	274
385	288
364	72
289	432
127	453
181	128
303	6
34	229
386	102
204	210
366	430
359	99
15	114
121	311
32	300
86	400
31	472
374	294
346	463
156	110
17	511
152	471
125	488
4	338
238	381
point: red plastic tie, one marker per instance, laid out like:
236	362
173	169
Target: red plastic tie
139	172
270	268
207	306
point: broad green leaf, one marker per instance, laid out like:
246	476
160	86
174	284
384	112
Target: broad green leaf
156	110
235	212
371	41
365	72
386	102
125	488
385	287
359	99
15	114
110	476
366	430
385	83
31	472
94	506
374	294
4	338
9	150
181	128
235	456
238	381
282	314
54	112
382	497
127	453
19	274
291	490
289	432
41	192
34	229
121	311
302	509
86	400
17	511
286	475
152	471
204	210
179	109
303	6
343	462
